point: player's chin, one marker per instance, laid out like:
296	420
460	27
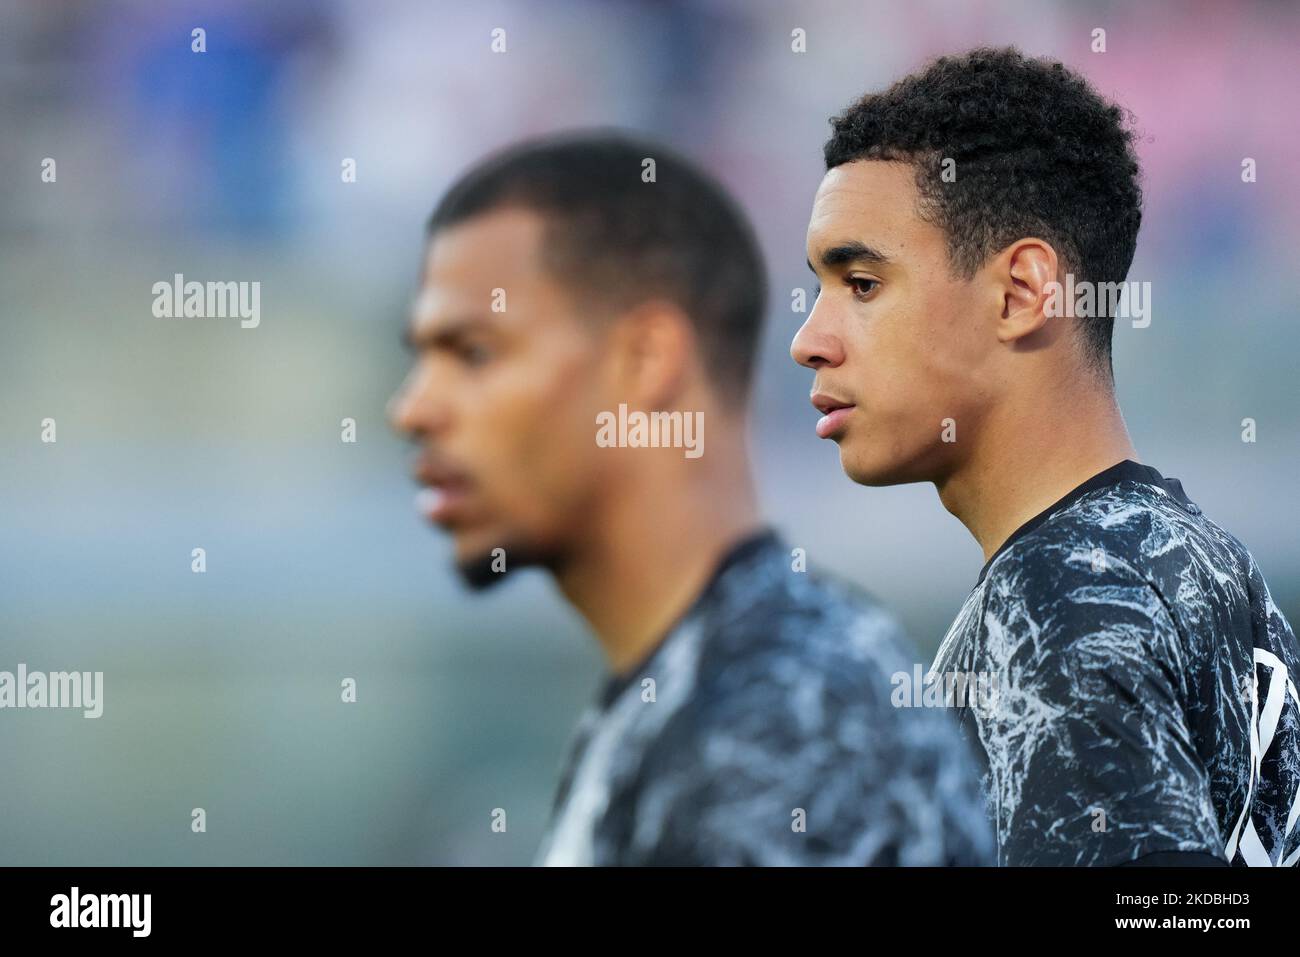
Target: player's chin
486	554
867	466
479	563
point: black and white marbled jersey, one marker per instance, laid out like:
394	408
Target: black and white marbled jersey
1145	684
760	732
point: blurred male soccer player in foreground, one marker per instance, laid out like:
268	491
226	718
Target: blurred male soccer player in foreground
746	718
1146	683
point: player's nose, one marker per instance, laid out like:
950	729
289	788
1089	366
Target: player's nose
815	346
413	409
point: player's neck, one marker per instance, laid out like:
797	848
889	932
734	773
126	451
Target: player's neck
654	546
1030	454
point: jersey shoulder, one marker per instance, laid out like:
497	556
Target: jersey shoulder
788	749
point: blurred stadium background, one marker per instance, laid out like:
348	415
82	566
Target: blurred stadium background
222	690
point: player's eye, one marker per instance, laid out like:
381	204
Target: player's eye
475	354
861	286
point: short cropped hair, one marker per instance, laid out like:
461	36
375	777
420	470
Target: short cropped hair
620	237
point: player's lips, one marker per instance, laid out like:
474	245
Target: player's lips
835	414
444	493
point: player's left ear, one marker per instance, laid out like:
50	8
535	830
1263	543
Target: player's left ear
655	346
1024	272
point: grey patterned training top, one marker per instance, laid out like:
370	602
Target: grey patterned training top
760	731
1145	684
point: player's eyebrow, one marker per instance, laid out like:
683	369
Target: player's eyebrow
852	251
444	333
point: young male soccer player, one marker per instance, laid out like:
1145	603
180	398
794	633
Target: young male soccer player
746	718
1145	704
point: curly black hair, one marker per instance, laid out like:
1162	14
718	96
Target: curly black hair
1038	153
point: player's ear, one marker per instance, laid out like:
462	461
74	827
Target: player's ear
1024	272
654	345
